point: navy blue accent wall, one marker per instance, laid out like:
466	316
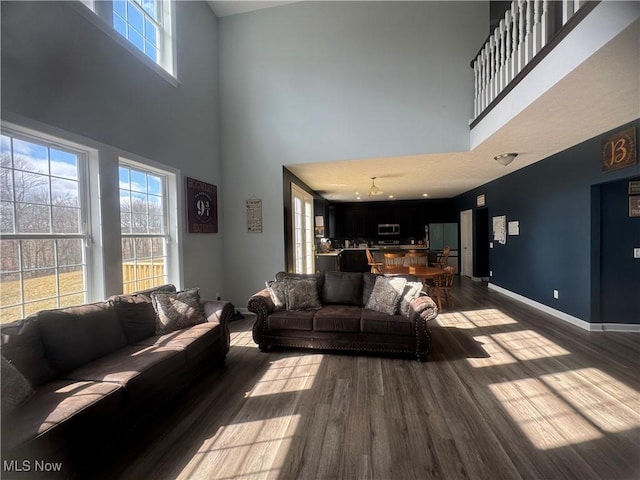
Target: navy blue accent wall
552	200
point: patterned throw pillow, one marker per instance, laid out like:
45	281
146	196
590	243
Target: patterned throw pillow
302	294
15	388
385	295
411	290
278	293
177	310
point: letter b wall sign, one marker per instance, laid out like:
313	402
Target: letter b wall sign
619	150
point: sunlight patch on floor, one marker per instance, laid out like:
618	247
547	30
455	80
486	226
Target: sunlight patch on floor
289	374
529	345
489	317
606	402
244	450
496	355
547	420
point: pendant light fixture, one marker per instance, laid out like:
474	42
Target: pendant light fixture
373	191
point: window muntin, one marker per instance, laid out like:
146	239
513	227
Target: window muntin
43	229
140	22
144	226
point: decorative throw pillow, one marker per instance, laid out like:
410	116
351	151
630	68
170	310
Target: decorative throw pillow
15	388
411	290
177	310
302	294
278	293
385	295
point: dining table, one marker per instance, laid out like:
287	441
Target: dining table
423	272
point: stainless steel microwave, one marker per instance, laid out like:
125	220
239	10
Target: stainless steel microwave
388	229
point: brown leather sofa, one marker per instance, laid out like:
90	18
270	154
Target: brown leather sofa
96	371
343	323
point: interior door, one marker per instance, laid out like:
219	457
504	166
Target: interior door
466	242
302	212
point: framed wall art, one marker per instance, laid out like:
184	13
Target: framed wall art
202	206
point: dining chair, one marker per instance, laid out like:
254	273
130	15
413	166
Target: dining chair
443	258
416	258
393	260
441	287
376	267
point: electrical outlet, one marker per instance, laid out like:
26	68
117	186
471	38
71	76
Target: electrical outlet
636	252
490	244
555	294
491	273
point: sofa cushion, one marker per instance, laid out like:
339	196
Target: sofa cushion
142	370
342	288
319	277
177	310
56	403
75	336
15	388
302	294
278	293
368	282
22	346
291	320
137	316
386	294
194	340
377	322
337	318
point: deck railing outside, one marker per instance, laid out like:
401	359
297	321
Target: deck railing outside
525	29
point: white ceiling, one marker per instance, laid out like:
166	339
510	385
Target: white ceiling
232	7
599	95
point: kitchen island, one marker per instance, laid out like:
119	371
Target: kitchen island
354	259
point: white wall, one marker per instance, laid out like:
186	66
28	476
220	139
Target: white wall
59	69
325	81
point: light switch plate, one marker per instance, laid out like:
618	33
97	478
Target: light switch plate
636	253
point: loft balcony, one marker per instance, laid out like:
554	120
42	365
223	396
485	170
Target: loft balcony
556	73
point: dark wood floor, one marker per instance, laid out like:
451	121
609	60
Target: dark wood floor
508	392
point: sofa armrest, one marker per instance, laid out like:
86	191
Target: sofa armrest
422	310
262	305
219	311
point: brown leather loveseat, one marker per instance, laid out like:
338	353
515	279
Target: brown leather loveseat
95	371
338	319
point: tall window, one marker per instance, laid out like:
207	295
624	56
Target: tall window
302	211
144	225
146	24
43	226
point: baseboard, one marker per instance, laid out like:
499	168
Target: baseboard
591	327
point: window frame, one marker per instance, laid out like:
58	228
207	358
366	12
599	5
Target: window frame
85	233
100	13
166	219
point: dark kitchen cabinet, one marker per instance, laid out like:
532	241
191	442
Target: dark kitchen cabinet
354	261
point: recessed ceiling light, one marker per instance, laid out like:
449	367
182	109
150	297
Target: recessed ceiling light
358	198
357	193
390	196
425	195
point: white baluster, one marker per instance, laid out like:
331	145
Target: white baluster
567	10
492	68
531	21
502	69
544	23
487	75
476	87
508	47
537	27
521	33
514	41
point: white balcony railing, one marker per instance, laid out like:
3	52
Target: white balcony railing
525	29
